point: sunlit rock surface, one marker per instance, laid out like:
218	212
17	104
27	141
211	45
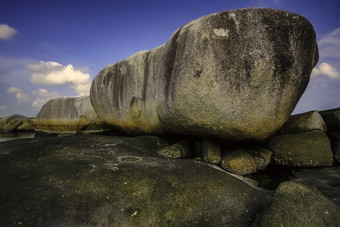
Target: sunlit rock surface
234	75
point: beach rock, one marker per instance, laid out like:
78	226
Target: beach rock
261	155
294	204
211	151
95	180
177	150
304	122
15	122
335	142
68	115
332	119
301	149
234	75
238	161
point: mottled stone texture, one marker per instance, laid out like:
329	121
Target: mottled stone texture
15	122
67	115
234	75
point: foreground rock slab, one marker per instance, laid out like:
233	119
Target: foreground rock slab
234	75
294	204
116	181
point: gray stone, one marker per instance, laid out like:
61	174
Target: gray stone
234	75
15	122
301	149
211	151
238	161
177	150
92	180
294	204
304	122
261	155
68	115
335	142
332	119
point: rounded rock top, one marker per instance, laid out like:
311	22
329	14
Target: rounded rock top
235	75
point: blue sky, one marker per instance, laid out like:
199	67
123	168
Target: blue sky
54	48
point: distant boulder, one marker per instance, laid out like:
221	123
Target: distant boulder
68	115
332	119
16	122
233	75
304	122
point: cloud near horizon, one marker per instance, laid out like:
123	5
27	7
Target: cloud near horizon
42	96
54	73
7	32
19	95
326	70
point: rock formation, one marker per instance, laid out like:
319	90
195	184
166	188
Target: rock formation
67	115
233	75
16	122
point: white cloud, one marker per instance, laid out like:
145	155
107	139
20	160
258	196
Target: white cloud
329	45
7	32
3	107
14	90
19	94
42	96
326	69
54	73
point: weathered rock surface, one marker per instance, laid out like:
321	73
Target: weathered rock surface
294	204
304	122
211	151
177	150
332	119
116	181
261	155
238	161
68	115
16	122
301	149
335	142
234	75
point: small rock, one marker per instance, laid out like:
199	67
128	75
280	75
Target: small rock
211	152
332	119
310	121
261	155
294	204
301	149
177	150
238	161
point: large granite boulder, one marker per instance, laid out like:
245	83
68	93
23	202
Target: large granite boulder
117	181
68	115
234	75
295	204
16	122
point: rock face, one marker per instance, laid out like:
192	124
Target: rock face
16	122
310	121
301	149
117	181
234	75
68	115
294	204
238	161
332	119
